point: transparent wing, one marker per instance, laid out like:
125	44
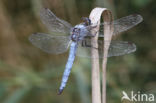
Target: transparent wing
123	24
126	23
117	48
53	23
49	43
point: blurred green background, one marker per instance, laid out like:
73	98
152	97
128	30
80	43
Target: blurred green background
28	75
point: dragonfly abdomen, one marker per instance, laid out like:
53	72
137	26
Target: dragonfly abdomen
68	67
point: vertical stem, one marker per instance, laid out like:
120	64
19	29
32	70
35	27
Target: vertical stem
96	94
104	80
95	16
107	40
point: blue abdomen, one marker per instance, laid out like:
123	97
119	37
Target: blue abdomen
68	67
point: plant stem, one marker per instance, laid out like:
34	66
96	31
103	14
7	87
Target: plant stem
96	92
104	81
107	40
95	16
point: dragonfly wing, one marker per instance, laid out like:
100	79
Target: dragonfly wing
123	24
53	23
126	23
49	43
117	48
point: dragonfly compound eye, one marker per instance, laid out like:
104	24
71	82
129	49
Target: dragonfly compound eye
86	20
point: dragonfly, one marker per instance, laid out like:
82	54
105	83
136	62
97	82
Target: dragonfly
78	38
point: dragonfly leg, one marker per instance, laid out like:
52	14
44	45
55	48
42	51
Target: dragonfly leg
92	34
84	44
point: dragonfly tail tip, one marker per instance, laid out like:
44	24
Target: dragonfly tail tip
60	91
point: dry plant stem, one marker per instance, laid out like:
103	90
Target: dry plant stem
96	92
108	30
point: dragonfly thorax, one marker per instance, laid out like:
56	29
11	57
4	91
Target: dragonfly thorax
79	32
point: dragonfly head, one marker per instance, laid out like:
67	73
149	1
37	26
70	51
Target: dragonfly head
86	21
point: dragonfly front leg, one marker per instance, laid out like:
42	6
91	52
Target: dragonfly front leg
84	43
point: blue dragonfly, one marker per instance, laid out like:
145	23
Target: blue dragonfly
78	38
